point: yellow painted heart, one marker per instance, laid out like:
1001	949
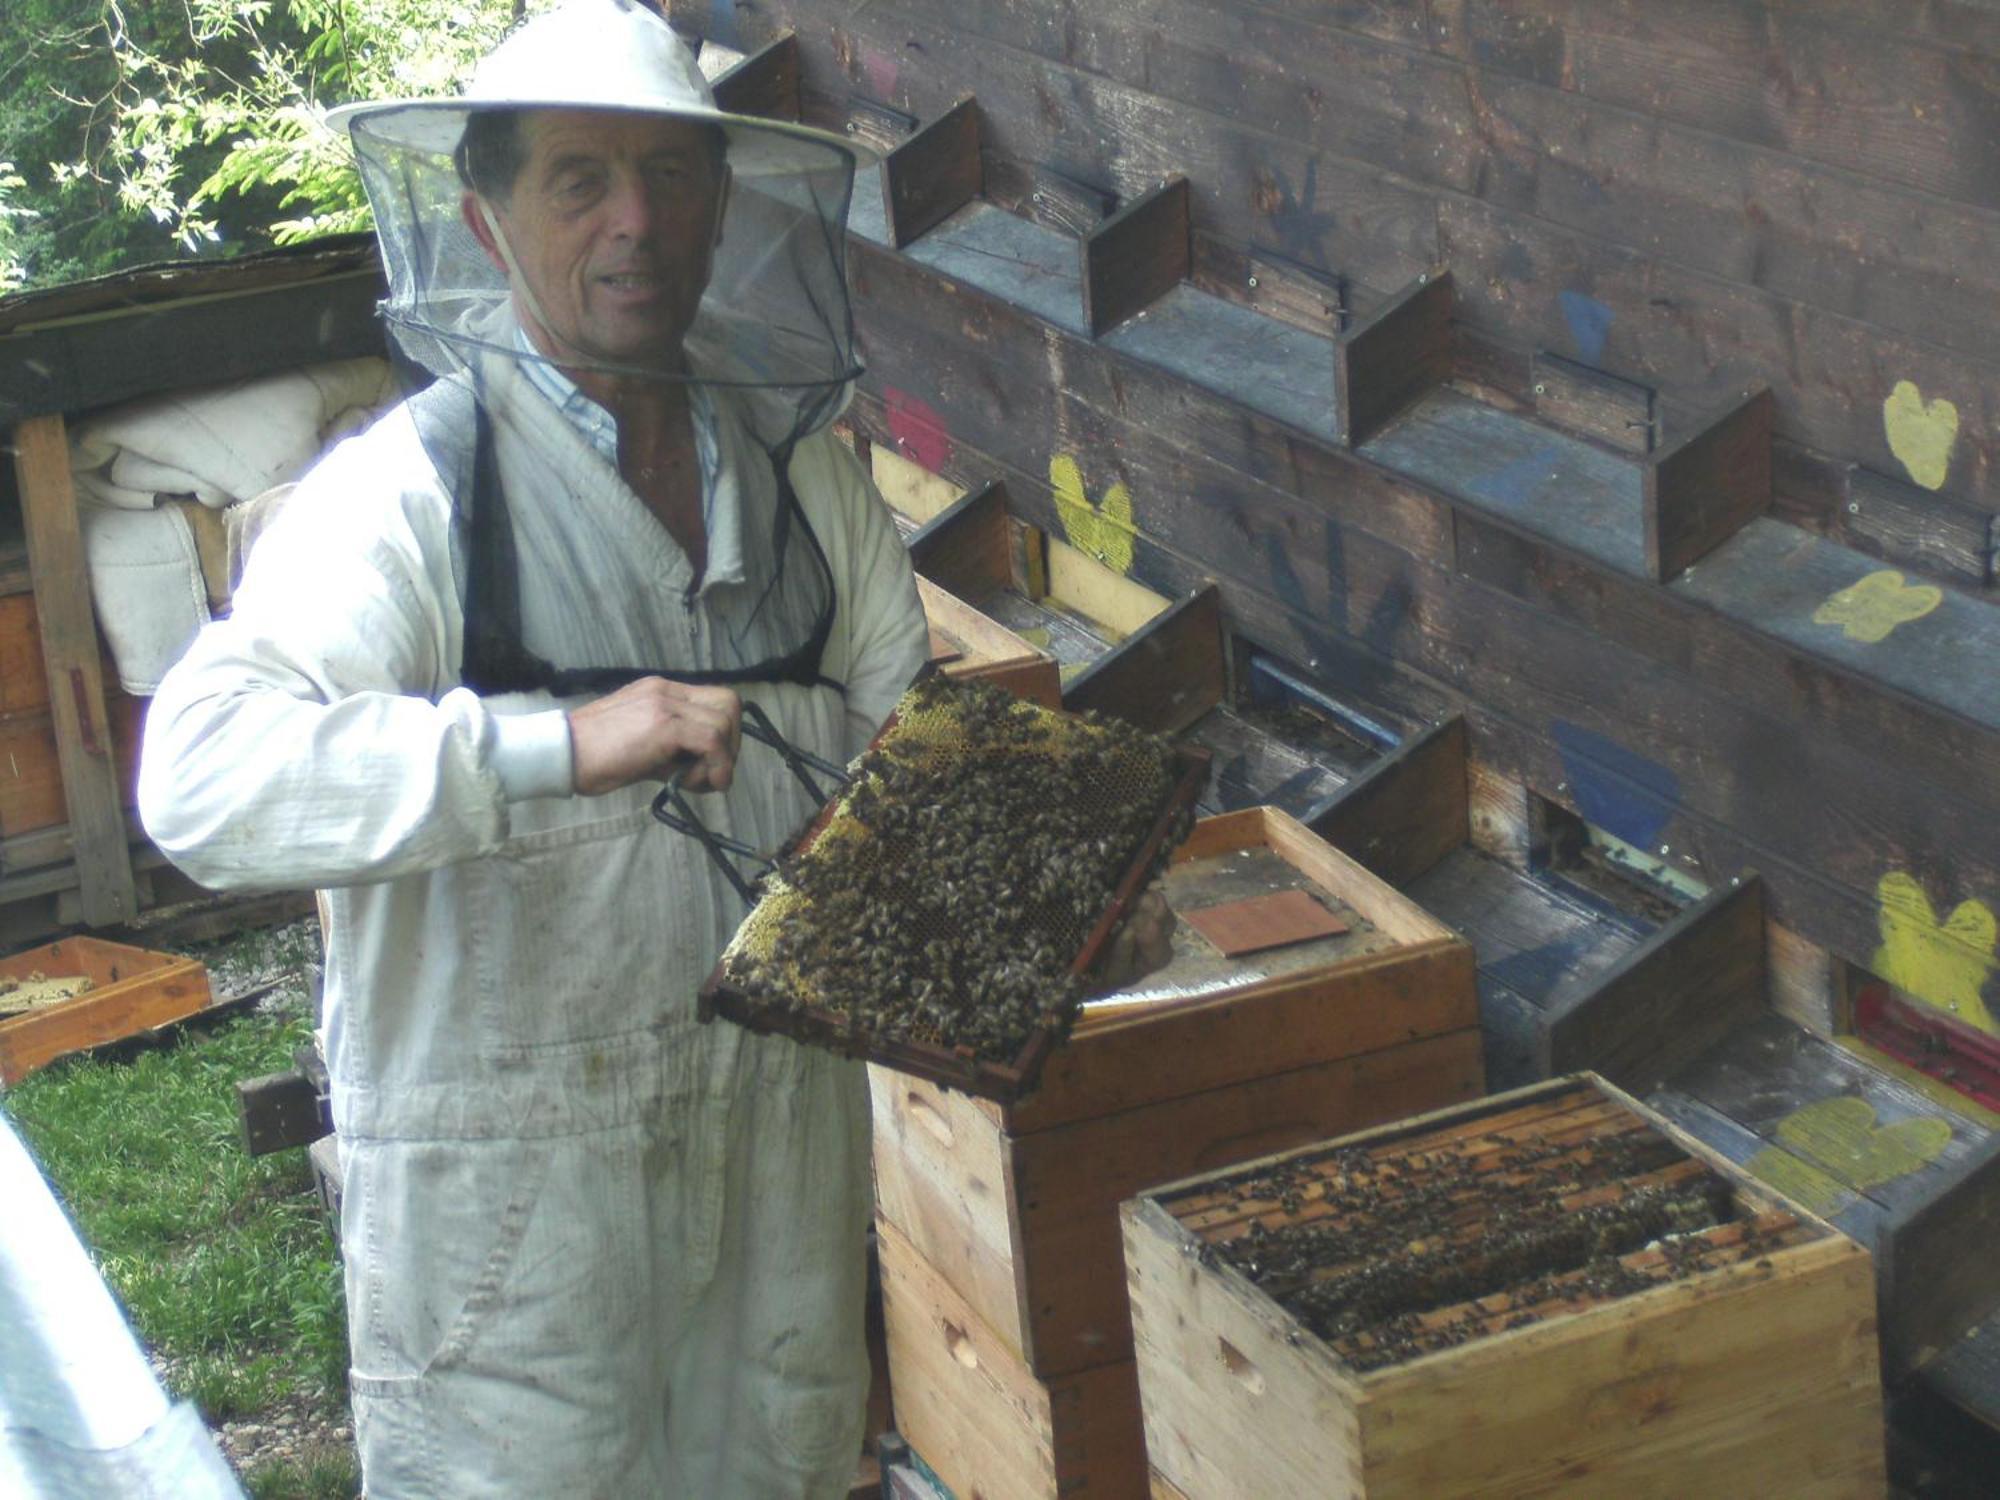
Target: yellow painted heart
1921	433
1104	531
1834	1148
1870	609
1942	964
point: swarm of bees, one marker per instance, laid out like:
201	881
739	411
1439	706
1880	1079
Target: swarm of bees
947	899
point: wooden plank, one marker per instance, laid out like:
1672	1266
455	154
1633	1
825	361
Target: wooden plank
278	1111
876	126
765	83
166	346
967	547
1670	998
1911	525
1699	491
1274	285
70	652
982	648
1163	676
1135	256
929	177
1618	413
1937	1261
979	1418
1408	810
1388	359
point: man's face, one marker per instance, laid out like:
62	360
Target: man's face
612	222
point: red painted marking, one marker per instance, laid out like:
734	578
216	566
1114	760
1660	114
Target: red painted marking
1955	1054
918	429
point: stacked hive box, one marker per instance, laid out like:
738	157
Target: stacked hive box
1551	1292
1009	1338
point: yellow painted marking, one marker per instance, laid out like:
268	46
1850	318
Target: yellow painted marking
1800	1181
1921	433
1104	531
1942	965
1870	609
1069	671
1832	1149
1037	636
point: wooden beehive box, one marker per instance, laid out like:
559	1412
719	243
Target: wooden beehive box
131	990
967	643
1016	1206
1460	1357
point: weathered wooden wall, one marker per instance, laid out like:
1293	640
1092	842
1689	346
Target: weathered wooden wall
1699	197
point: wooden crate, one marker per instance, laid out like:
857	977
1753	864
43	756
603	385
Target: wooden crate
1734	1359
132	990
970	644
1016	1206
978	1416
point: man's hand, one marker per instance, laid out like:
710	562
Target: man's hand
649	729
1143	943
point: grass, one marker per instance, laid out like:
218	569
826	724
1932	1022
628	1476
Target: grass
223	1263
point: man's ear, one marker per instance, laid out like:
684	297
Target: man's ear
475	219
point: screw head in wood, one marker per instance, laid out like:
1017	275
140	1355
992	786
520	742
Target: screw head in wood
1253	283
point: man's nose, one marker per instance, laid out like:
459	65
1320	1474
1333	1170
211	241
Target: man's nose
631	204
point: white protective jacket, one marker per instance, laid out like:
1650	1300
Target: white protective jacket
592	1247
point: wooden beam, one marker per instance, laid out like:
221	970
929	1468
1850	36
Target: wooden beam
1937	1265
72	656
1059	201
280	1110
765	83
1389	358
1618	413
933	174
967	548
1699	492
1164	675
1408	810
1671	998
877	126
1136	256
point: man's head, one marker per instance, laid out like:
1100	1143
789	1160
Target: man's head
606	222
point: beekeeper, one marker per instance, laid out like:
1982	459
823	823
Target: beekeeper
592	1247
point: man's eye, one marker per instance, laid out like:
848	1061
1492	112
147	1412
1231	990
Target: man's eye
578	189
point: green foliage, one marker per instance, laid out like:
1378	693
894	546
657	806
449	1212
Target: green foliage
140	131
222	1262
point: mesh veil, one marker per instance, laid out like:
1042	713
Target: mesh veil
768	351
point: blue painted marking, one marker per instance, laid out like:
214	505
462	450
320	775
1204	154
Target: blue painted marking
1621	792
1589	324
1517	483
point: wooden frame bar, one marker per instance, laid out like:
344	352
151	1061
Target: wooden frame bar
1164	675
1136	256
933	174
1392	356
1700	491
1693	980
1408	810
967	548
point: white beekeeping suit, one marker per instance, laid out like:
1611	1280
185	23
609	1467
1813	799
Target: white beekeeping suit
592	1247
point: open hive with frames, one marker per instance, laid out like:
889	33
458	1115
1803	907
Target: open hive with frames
1553	1291
944	914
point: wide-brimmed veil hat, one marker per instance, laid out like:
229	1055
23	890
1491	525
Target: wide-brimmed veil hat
764	333
776	312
